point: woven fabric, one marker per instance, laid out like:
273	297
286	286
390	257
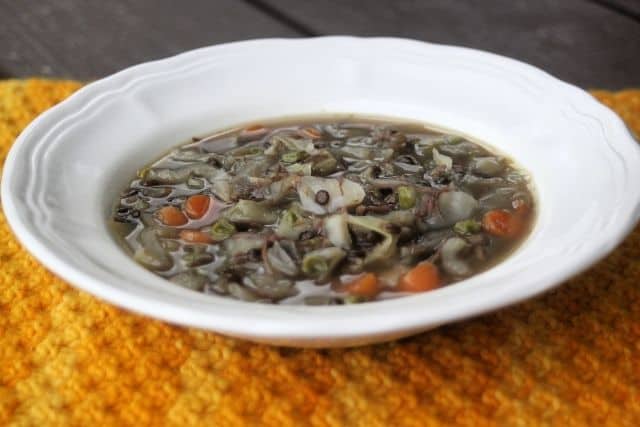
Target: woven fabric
568	358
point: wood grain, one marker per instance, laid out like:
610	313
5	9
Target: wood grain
576	40
89	39
591	43
630	8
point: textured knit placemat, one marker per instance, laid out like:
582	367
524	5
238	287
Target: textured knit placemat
571	357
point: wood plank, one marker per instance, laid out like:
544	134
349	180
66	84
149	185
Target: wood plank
628	7
576	40
86	40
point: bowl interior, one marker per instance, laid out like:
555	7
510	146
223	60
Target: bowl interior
63	176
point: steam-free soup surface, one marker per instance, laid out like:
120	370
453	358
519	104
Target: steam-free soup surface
324	212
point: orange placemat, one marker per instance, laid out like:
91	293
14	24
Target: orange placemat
571	357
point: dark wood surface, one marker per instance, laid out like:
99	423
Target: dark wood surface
576	40
591	43
627	7
87	39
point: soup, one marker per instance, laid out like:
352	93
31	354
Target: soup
324	212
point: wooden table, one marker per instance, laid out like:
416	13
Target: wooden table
591	43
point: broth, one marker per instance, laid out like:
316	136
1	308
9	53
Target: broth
324	211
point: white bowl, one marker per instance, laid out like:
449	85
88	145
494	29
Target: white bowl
67	167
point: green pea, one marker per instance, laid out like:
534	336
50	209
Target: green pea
319	263
222	230
315	265
467	227
293	156
406	197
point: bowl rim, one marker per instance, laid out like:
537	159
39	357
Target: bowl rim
277	328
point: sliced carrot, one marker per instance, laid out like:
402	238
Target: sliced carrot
364	286
196	206
195	236
423	277
171	216
310	132
502	223
252	132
